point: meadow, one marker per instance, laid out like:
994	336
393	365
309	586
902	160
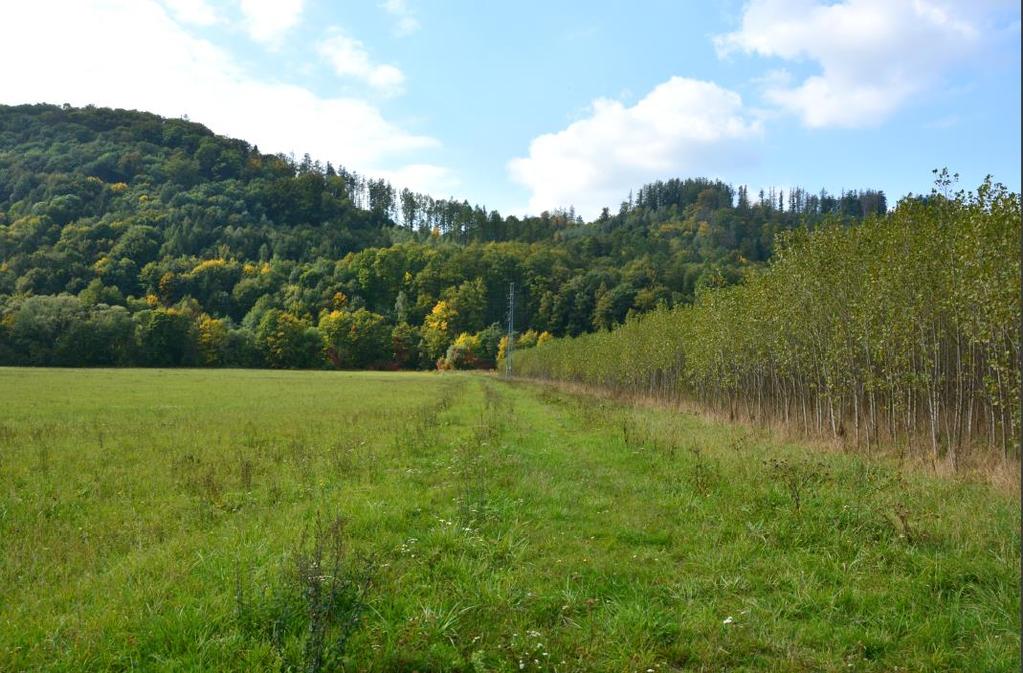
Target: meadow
173	520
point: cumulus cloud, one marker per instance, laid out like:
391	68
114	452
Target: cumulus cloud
195	12
406	22
132	54
349	58
683	127
267	21
873	55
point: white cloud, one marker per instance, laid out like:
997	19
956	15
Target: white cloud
406	22
196	12
267	21
437	181
874	55
682	127
349	58
131	54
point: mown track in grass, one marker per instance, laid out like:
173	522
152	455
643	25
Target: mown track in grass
161	520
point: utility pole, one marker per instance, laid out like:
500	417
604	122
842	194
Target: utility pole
511	329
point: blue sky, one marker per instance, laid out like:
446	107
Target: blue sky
532	105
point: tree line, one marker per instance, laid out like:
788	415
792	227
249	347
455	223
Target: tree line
904	330
131	239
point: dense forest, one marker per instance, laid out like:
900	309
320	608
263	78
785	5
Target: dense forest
903	331
131	239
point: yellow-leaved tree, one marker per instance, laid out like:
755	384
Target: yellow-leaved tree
437	329
211	339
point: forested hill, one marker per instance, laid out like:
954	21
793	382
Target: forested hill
127	238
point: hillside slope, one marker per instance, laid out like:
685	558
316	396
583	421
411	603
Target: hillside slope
177	246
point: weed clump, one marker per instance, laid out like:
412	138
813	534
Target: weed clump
309	613
799	478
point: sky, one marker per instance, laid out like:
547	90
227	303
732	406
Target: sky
536	105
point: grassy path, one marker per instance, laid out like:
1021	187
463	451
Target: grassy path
166	520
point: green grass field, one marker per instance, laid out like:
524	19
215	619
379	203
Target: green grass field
185	520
